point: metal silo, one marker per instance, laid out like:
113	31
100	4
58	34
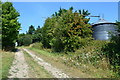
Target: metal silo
102	29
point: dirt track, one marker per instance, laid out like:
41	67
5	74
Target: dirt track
54	71
19	68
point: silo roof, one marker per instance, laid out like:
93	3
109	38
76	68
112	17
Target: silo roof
102	21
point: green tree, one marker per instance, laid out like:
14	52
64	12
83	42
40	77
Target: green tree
0	25
66	30
37	35
10	26
27	40
74	28
24	40
84	13
46	35
31	30
20	39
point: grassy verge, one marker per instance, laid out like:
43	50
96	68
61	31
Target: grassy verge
76	67
35	70
56	60
7	59
0	64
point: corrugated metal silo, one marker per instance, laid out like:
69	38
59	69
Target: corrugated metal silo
102	30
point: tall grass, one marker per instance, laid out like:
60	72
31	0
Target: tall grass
90	58
7	59
0	64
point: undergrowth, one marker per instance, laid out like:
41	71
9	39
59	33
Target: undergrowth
90	58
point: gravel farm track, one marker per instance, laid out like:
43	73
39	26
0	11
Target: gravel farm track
19	68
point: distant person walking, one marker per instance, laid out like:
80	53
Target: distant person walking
16	44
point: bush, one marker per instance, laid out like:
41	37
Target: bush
90	54
112	51
56	45
37	45
25	40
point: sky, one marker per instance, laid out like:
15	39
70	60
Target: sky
35	13
62	0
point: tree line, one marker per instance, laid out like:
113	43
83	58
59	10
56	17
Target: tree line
31	36
66	30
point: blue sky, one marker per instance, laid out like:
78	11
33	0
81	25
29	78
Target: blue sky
34	13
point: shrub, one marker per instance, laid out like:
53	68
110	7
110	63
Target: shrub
37	45
112	51
25	40
56	45
92	54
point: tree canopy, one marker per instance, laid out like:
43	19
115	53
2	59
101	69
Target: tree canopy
31	30
10	26
66	29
